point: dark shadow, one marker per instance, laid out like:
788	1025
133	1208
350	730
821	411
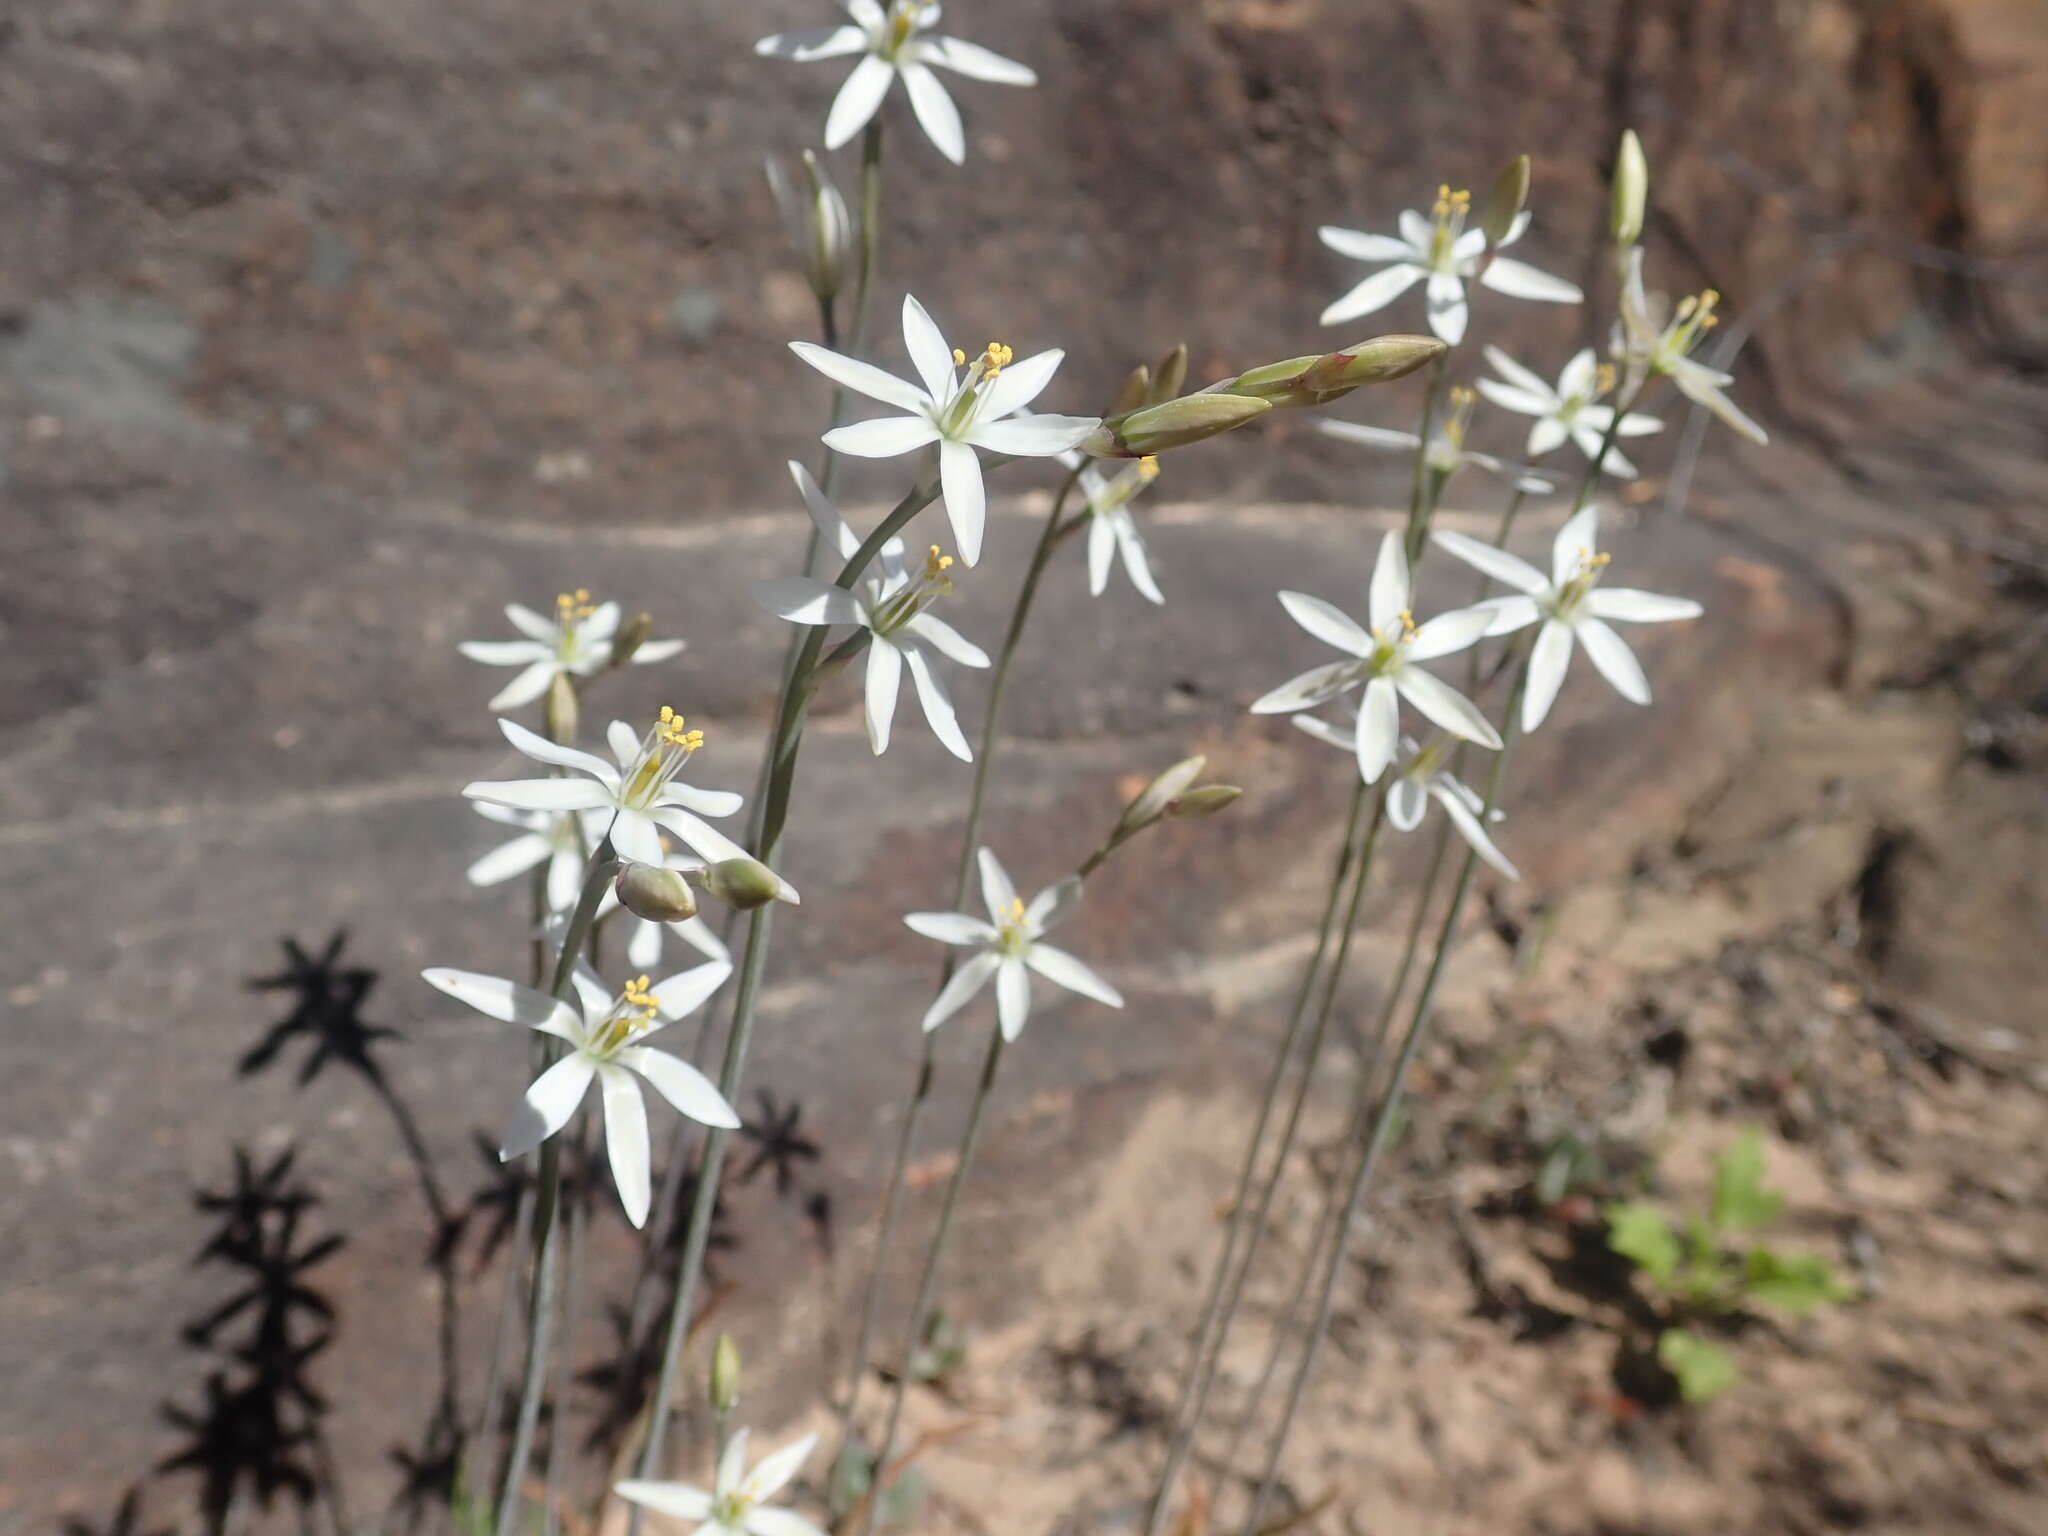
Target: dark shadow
127	1521
778	1144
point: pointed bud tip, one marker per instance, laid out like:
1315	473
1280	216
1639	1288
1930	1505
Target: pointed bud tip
1631	191
1510	192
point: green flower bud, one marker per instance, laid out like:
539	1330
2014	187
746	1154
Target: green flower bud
1155	798
1174	424
725	1375
1510	192
631	636
742	883
563	711
1170	377
660	895
1296	382
1136	391
1631	190
819	227
1204	801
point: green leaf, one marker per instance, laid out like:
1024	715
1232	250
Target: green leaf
1639	1232
1740	1199
1798	1282
1704	1370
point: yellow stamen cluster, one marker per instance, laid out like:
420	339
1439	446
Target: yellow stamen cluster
1015	916
637	993
995	358
1449	202
1700	310
668	730
573	607
1406	619
1604	379
936	564
1590	562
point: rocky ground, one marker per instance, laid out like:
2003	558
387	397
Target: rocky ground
325	330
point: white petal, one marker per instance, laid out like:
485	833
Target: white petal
1013	996
1636	424
972	976
684	993
1617	663
1405	803
868	15
565	879
548	1104
1449	633
1315	686
506	1001
1548	663
625	744
1137	565
863	378
1336	735
824	516
703	839
591	992
1578	376
1509	570
1062	969
1327	623
775	1470
938	707
813	43
1519	280
541	794
974	61
657	650
700	936
935	111
1474	834
1517	227
625	1141
1387	598
1050	906
541	750
533	626
806	600
1375	293
1703	386
1519	377
1443	705
1416	230
676	1499
998	891
1101	550
779	1522
1521	401
1379	728
1370	437
1032	437
883	438
858	100
705	802
690	1091
1360	246
506	653
1021	383
1546	436
950	927
884	679
1578	539
1448	311
643	949
929	354
509	859
1634	607
1466	248
1511	613
966	500
946	640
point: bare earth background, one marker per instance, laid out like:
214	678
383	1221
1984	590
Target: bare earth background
326	328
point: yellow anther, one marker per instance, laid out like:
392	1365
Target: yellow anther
995	357
573	606
1016	910
1148	468
1462	396
959	357
1407	618
1604	379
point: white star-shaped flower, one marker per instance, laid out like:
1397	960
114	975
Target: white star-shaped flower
1571	604
1420	777
734	1505
1447	451
896	42
1651	338
641	794
959	410
1566	409
603	1035
576	641
1009	948
562	838
1112	530
1386	657
1440	251
890	605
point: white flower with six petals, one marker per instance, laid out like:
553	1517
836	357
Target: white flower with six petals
576	641
1420	776
1009	947
1112	530
894	43
557	837
1566	409
734	1505
1571	605
958	410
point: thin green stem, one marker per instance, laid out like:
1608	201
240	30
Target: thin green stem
572	1300
783	748
1201	1358
1384	1120
970	838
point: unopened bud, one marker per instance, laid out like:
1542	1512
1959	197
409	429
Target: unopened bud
819	226
1510	191
743	883
1136	391
1631	190
1381	360
1206	800
725	1375
656	893
1173	424
1170	376
1154	799
563	711
631	636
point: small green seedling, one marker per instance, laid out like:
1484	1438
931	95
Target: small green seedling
1706	1272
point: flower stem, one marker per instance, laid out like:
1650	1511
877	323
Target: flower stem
970	838
1420	491
782	754
1207	1344
540	1314
1383	1122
